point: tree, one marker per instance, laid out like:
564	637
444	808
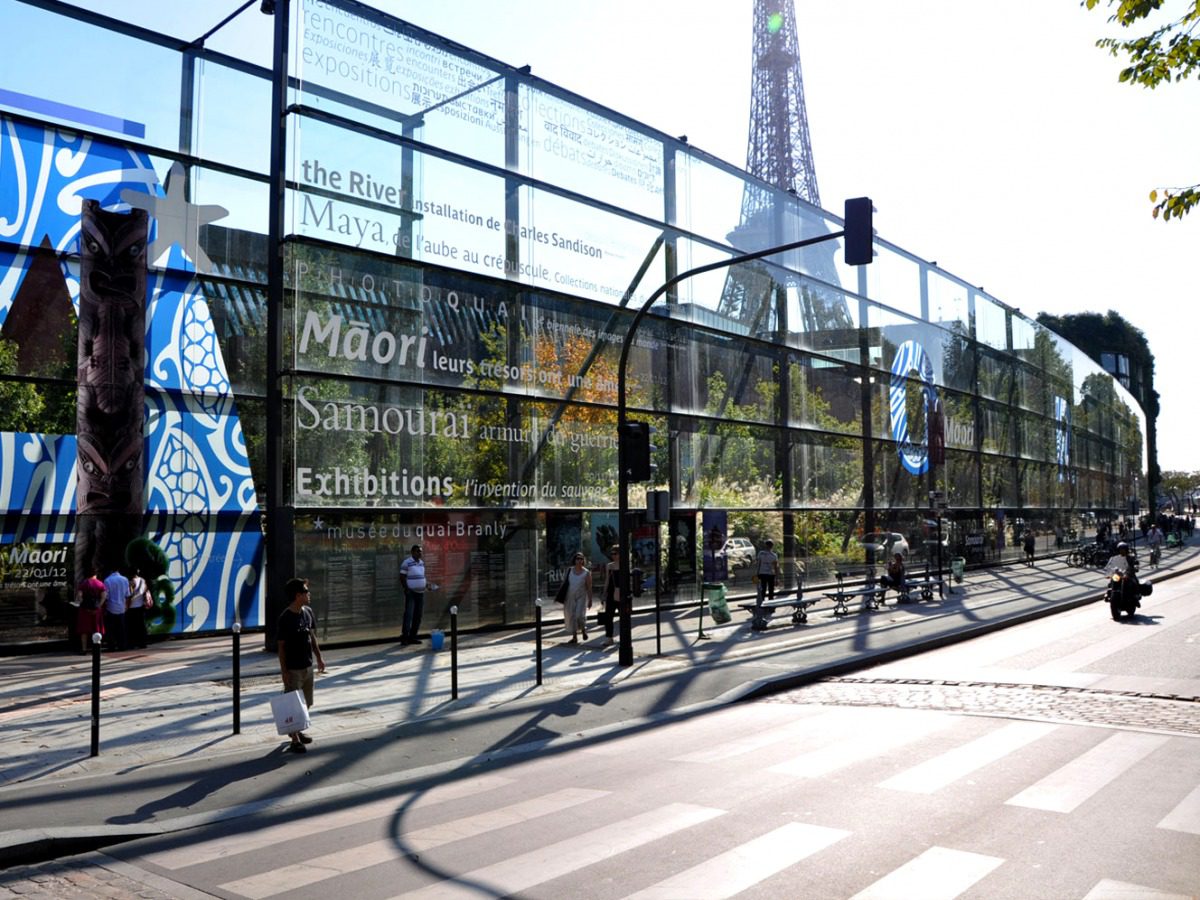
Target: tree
1169	52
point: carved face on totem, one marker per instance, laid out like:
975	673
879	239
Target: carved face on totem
111	392
112	301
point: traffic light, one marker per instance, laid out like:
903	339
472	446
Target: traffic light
859	231
636	450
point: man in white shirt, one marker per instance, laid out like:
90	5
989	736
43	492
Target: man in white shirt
412	574
766	567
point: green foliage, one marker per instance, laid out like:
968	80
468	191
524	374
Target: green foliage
1178	485
22	406
1168	52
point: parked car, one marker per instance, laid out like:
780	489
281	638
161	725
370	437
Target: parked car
739	551
884	543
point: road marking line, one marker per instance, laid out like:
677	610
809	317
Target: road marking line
1186	816
352	859
935	774
504	879
1064	790
937	874
1123	890
766	738
192	854
744	866
877	737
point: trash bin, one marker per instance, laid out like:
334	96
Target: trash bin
958	566
718	606
437	639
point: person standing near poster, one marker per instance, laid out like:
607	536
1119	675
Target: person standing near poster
117	601
135	615
412	574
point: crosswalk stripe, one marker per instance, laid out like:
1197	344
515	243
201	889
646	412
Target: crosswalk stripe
1186	816
894	730
1068	787
727	749
936	773
1122	890
741	868
547	863
352	859
246	842
937	874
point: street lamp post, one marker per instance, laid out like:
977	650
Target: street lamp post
625	648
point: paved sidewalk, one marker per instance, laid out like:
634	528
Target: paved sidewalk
385	712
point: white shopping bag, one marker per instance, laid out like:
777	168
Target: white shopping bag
291	715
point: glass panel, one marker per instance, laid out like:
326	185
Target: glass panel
134	94
363	66
825	395
827	471
947	300
574	147
242	140
991	323
725	464
727	379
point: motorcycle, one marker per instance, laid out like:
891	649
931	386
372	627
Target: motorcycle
1125	593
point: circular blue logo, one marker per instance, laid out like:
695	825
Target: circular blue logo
911	357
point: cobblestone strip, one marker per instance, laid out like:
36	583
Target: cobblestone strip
1120	709
75	877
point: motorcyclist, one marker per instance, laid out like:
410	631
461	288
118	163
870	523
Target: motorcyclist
1125	563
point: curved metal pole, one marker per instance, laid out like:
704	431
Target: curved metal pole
625	654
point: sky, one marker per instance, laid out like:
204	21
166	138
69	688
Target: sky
993	138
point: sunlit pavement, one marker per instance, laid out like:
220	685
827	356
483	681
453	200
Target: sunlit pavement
170	708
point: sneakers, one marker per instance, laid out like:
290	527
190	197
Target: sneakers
298	747
304	738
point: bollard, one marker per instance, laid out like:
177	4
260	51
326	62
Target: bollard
237	677
454	653
96	639
537	630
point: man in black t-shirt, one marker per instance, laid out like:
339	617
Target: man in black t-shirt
297	633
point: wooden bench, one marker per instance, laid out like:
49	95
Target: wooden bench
762	613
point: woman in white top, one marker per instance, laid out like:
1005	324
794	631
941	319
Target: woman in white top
135	611
579	599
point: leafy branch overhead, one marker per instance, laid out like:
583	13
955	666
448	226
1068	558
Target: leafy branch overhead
1169	52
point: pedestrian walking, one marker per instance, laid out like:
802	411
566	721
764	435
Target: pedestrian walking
765	569
578	599
296	631
116	603
412	573
1030	546
612	594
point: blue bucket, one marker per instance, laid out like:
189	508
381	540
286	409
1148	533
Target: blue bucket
437	639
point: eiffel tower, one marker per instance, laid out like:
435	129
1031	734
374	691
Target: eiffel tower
780	154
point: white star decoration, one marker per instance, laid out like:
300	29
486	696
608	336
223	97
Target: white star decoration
179	221
318	523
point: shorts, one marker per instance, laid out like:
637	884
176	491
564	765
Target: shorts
301	680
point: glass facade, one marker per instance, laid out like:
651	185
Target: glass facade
464	248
